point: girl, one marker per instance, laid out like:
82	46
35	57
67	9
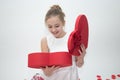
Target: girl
57	41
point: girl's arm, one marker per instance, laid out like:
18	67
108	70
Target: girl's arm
48	71
44	46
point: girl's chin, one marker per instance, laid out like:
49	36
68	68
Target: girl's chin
56	35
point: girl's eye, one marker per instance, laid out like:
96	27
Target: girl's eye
49	26
56	26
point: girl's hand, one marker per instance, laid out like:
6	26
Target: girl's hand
48	71
80	59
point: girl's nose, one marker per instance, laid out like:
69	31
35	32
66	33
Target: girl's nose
53	29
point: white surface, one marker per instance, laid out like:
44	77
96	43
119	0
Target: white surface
22	26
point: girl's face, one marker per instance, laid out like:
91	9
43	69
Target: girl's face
55	26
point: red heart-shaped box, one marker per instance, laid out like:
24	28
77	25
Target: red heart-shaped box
78	36
43	59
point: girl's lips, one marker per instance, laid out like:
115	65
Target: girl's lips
55	33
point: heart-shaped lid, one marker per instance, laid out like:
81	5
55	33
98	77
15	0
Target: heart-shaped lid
78	36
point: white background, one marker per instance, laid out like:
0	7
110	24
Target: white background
22	26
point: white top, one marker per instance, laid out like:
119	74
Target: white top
64	73
57	44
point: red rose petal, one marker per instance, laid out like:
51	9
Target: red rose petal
118	75
113	76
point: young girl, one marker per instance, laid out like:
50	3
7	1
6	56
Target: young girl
56	42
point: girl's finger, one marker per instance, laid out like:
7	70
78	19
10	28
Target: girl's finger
80	52
82	47
46	67
43	68
57	67
53	67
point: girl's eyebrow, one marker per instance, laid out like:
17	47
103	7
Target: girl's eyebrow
56	24
49	24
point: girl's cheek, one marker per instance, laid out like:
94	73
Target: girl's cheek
49	30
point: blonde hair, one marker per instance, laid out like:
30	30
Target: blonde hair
55	10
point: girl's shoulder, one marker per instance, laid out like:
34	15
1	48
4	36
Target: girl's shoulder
44	39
